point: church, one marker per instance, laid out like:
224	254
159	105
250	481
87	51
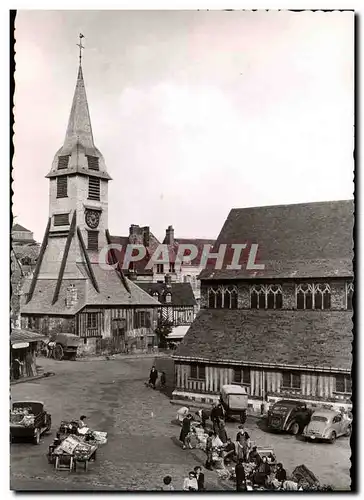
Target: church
69	291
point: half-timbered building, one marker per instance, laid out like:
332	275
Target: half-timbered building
283	329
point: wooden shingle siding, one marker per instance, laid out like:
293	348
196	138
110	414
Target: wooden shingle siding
93	188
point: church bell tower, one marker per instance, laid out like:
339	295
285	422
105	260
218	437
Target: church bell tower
78	188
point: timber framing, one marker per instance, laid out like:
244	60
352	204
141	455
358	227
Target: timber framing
227	362
64	258
39	261
116	261
88	263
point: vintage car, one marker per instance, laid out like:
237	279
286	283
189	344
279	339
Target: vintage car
288	415
28	419
234	400
327	425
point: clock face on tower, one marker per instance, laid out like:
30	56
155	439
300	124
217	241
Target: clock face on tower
92	218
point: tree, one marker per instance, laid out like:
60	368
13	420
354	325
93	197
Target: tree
164	328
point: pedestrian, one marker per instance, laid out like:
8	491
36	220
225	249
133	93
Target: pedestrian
254	456
203	415
153	376
209	451
240	476
263	471
222	431
200	478
186	429
182	413
16	366
246	446
167	484
240	432
229	450
51	345
280	476
163	380
190	482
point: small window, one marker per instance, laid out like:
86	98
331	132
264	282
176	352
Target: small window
92	240
172	267
168	298
160	268
92	162
343	384
63	162
91	320
237	375
197	372
93	188
62	187
291	380
61	220
246	376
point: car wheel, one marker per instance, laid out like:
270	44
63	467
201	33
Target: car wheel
348	431
333	437
295	428
36	439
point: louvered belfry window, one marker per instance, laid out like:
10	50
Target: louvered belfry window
92	240
62	187
63	162
61	220
93	162
93	188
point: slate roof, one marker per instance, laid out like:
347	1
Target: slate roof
295	338
140	265
18	227
302	240
199	243
112	293
182	293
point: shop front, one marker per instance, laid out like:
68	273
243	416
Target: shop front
23	347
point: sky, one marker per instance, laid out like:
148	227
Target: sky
195	112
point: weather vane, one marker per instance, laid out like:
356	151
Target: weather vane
80	46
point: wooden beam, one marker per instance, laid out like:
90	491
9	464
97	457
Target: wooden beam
116	261
88	262
64	258
39	261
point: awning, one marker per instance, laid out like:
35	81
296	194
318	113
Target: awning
178	332
19	336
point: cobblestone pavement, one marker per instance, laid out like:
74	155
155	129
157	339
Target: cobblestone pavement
142	439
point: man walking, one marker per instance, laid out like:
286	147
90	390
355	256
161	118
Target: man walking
153	376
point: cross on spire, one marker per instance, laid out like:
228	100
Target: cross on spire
80	46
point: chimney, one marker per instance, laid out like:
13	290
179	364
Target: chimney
168	280
170	235
133	229
146	236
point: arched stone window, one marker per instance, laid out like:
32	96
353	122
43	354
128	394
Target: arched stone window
313	296
223	297
230	297
266	297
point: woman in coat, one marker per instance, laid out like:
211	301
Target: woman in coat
186	429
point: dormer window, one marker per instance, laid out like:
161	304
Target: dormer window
63	162
93	188
168	297
155	295
92	162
